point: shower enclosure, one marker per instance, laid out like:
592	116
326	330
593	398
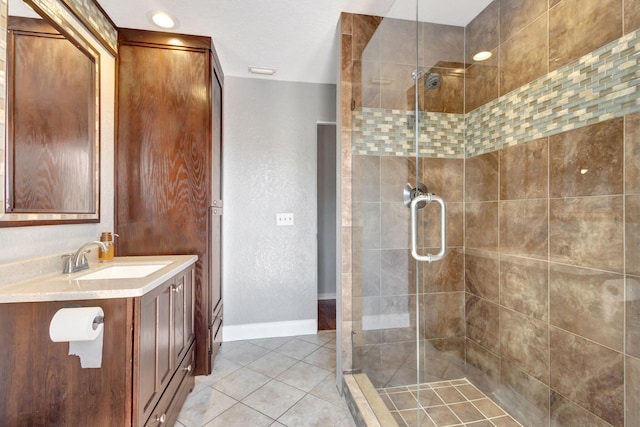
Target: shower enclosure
508	291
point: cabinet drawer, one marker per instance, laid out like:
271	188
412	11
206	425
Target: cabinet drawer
168	407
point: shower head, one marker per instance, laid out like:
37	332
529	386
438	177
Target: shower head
432	81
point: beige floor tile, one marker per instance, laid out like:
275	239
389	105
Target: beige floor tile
298	349
272	364
314	412
280	382
246	354
303	376
221	368
241	416
200	385
324	358
321	338
203	406
328	391
241	383
331	344
271	343
230	346
274	398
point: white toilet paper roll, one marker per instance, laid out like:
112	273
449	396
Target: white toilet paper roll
75	324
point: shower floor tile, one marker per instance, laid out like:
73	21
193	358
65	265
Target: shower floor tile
444	403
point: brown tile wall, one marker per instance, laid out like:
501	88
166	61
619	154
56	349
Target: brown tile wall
382	70
350	41
529	38
552	280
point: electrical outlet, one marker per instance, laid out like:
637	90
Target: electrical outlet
284	218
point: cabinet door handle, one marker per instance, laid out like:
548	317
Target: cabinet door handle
188	368
177	289
161	418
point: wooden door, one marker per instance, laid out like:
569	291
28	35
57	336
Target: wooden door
50	118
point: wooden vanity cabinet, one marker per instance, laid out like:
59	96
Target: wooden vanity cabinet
147	362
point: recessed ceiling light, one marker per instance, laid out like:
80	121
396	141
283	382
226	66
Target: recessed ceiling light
262	70
482	56
162	19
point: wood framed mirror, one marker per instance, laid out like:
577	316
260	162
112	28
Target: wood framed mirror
50	162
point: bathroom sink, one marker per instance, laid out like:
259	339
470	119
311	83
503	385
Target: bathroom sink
124	271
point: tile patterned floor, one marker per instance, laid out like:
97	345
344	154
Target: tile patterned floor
446	403
270	382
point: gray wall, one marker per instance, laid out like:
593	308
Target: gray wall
269	155
326	211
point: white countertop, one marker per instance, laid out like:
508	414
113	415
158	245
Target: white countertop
67	287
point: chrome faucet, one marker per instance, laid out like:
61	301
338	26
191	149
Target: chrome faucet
78	261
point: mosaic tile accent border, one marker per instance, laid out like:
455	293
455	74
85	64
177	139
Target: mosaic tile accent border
380	132
599	86
96	21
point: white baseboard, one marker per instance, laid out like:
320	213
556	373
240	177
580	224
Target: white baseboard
252	331
326	296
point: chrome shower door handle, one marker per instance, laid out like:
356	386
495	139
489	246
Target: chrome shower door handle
428	198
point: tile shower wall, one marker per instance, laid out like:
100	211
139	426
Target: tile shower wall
530	38
550	242
548	224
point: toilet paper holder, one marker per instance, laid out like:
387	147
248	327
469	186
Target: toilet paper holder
97	321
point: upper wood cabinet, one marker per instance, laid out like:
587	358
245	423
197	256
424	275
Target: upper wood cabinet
168	160
51	142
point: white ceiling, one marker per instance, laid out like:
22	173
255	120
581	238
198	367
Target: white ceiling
296	37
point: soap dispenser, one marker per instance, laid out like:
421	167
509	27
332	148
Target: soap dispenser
107	238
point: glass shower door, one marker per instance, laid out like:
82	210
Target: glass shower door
407	143
383	162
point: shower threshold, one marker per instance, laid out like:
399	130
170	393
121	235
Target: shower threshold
444	403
